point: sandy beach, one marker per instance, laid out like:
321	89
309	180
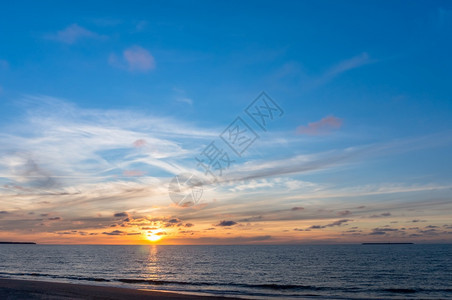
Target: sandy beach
28	289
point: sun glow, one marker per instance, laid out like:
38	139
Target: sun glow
154	235
154	238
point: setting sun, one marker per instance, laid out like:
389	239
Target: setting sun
155	235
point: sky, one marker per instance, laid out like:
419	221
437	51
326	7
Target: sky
294	121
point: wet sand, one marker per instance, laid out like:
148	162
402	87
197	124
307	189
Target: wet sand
29	289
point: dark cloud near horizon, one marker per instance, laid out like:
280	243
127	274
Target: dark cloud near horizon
335	223
119	232
115	232
386	214
417	221
251	219
121	215
344	213
225	223
297	208
377	233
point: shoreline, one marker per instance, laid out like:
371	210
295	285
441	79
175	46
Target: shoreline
31	289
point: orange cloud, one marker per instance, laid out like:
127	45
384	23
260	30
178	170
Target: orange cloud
133	173
139	143
321	127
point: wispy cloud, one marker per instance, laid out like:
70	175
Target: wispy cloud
348	64
338	69
73	34
255	169
133	173
101	167
185	100
135	59
106	145
324	126
181	96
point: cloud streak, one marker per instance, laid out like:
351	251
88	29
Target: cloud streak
322	127
73	33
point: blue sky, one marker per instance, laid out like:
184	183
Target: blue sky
101	101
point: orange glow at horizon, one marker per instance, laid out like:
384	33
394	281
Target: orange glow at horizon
154	235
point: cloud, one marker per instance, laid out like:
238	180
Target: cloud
173	222
431	226
324	126
36	154
185	100
139	59
139	143
386	229
121	215
226	223
297	208
101	149
386	214
383	231
181	96
344	213
55	219
335	223
348	64
134	59
73	34
115	232
377	233
27	170
338	222
338	69
149	228
133	173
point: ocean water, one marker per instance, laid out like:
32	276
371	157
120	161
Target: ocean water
261	272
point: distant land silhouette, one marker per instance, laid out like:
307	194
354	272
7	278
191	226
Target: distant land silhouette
22	243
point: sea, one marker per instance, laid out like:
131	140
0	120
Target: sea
247	271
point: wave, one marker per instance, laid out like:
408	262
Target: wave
273	286
58	276
262	286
